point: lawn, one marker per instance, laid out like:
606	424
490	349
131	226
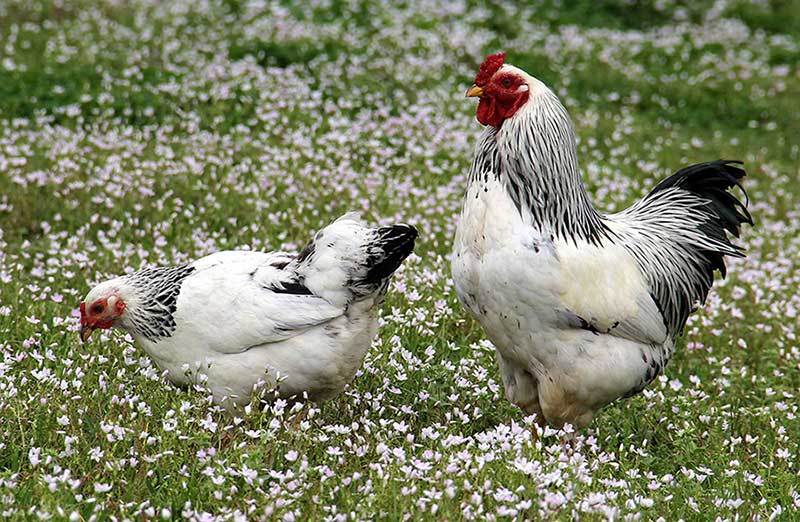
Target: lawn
144	133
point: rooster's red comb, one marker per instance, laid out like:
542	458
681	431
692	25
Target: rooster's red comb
490	65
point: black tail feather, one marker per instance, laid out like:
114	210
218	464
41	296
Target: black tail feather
701	213
711	181
393	245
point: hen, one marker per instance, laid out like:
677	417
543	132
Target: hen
237	319
583	308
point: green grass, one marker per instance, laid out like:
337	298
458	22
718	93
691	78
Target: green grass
135	134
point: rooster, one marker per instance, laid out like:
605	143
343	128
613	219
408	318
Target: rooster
582	307
298	323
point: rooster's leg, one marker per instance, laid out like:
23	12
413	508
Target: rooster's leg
539	421
299	417
225	440
538	426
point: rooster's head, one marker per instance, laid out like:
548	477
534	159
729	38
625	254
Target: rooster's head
502	88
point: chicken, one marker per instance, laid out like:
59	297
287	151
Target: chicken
583	308
236	320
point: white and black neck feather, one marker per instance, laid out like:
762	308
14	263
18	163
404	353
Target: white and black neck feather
150	312
534	155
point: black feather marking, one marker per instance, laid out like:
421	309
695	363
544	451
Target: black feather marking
332	331
394	244
540	172
158	289
307	252
280	265
289	287
586	325
712	181
574	320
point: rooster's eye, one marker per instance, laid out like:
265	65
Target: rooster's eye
505	82
97	308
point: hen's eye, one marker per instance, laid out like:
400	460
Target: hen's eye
97	308
505	82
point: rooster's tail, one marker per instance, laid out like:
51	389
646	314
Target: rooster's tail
711	182
679	234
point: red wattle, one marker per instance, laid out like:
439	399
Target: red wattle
488	113
492	111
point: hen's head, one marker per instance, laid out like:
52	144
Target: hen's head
103	306
502	88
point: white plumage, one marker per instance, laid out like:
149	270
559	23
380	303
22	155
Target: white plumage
237	319
583	308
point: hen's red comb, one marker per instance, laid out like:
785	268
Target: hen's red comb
490	65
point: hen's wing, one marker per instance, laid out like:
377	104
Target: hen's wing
236	300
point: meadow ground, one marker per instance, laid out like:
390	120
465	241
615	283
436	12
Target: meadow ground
141	133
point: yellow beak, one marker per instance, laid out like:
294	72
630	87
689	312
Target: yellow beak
86	332
474	91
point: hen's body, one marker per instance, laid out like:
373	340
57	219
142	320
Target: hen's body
238	320
582	308
301	339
